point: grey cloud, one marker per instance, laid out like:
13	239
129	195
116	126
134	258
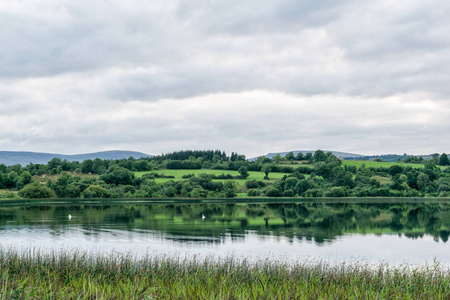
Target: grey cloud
78	36
106	73
260	17
287	46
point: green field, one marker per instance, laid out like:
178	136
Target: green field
377	164
359	163
179	173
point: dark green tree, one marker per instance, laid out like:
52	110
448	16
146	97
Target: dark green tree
273	192
290	156
277	158
24	179
87	166
96	191
309	157
266	169
118	175
319	155
336	191
243	171
65	187
299	156
443	160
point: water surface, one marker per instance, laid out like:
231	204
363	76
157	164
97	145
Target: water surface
395	233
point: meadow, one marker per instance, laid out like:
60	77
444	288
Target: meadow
31	274
178	174
380	164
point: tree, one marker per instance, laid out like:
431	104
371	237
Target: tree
142	165
336	191
443	160
96	191
395	169
273	192
319	155
290	156
422	180
322	169
24	179
54	163
299	156
229	189
302	186
118	175
277	158
309	156
266	169
86	166
290	183
65	188
244	172
36	190
435	158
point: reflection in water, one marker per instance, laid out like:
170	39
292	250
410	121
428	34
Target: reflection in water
295	228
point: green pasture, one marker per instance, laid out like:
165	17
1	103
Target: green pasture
179	174
382	180
359	163
378	164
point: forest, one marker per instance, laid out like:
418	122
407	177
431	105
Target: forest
214	174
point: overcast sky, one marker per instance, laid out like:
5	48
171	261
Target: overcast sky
259	76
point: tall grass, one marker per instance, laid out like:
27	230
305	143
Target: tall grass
33	274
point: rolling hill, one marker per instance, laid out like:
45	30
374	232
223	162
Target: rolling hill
337	153
24	158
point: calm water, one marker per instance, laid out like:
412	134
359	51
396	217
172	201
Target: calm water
414	233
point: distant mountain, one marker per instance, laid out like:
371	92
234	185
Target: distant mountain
344	155
10	158
389	157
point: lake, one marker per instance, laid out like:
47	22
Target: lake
392	232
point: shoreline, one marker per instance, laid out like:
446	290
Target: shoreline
64	201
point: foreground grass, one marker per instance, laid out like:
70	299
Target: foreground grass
30	274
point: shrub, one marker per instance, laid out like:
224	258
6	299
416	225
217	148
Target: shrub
289	193
96	191
273	192
36	190
336	191
253	193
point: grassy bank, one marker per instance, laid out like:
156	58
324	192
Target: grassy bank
28	274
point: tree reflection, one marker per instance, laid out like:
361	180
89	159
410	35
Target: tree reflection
320	222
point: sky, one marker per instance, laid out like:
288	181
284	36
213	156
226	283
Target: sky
247	76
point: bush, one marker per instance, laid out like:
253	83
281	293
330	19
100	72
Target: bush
253	193
229	193
251	184
96	191
36	190
118	175
312	193
336	191
273	192
186	176
289	193
8	195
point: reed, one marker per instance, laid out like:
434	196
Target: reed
35	274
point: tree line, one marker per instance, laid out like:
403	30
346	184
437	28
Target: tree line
311	175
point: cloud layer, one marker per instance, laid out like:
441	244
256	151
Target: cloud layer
252	76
